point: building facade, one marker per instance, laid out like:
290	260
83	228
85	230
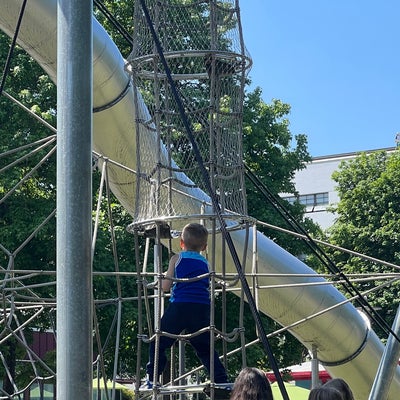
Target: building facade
316	187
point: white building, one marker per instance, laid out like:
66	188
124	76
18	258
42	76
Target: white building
317	189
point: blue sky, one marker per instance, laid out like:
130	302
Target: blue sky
336	62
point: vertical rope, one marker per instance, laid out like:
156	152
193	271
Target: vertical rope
12	47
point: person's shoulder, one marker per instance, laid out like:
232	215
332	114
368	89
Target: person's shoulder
175	257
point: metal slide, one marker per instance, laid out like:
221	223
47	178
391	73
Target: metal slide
345	344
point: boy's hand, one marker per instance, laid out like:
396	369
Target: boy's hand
151	285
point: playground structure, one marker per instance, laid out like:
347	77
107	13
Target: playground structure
315	312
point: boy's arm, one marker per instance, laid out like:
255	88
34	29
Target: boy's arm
167	283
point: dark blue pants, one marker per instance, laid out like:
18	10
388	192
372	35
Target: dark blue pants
188	317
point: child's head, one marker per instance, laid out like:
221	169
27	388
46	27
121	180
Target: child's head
325	393
251	384
194	237
342	386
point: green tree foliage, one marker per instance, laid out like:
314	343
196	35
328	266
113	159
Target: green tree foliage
28	197
268	143
117	19
368	222
114	247
274	156
27	189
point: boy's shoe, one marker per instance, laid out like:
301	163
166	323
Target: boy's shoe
222	391
146	385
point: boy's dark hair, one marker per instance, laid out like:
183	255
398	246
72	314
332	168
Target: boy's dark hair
194	236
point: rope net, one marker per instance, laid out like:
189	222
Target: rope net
202	45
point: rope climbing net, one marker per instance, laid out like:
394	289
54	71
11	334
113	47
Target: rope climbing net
189	64
163	189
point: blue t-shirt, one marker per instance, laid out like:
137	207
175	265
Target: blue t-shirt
191	264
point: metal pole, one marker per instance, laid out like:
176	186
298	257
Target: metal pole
388	364
182	367
74	197
314	367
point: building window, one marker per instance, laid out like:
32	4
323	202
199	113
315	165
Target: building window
310	200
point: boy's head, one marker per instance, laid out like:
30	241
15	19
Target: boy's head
194	237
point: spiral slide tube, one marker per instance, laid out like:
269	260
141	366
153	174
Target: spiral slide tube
345	344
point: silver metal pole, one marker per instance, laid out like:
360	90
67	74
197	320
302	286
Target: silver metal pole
388	364
182	367
74	197
314	367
